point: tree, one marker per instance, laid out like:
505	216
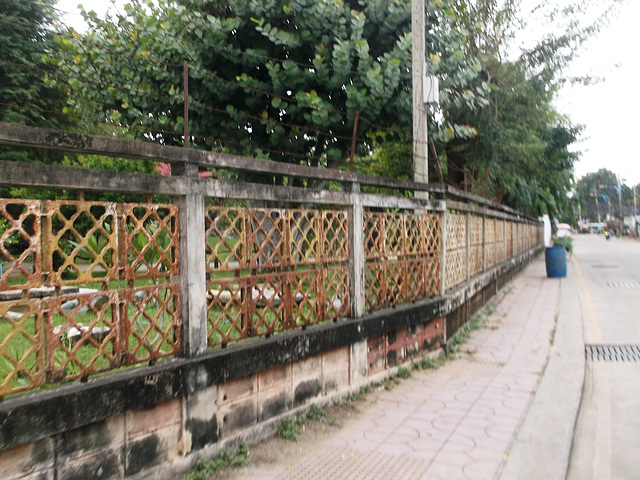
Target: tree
520	155
597	194
280	80
25	97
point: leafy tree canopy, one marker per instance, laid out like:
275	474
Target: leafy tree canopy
283	80
26	34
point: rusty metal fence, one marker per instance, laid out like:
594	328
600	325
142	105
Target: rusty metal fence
403	258
88	287
85	288
272	270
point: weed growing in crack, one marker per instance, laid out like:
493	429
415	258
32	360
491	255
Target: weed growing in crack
205	467
289	430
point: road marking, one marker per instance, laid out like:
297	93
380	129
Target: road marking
595	330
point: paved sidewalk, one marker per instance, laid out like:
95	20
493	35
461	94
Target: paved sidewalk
461	420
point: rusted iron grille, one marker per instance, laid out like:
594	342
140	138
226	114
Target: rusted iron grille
456	260
272	270
402	253
490	242
475	245
85	288
500	241
20	252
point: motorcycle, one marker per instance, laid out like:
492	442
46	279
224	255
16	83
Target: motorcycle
607	235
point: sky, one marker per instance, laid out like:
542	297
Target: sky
607	110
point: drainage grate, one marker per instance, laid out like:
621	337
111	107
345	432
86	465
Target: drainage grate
624	284
604	266
612	353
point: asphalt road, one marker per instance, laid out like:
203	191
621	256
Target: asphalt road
606	442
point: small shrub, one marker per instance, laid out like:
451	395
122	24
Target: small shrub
288	429
566	242
206	467
316	413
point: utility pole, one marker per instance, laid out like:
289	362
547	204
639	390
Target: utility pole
418	58
620	203
635	213
595	194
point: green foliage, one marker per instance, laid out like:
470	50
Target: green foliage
289	430
597	192
520	153
566	242
316	413
25	96
205	467
428	363
266	79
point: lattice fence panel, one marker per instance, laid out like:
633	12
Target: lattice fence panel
81	243
375	287
396	283
305	236
267	237
20	252
500	244
307	298
455	268
456	257
22	361
374	235
226	239
416	279
433	276
456	231
153	322
394	235
475	245
270	297
336	292
85	338
509	239
227	315
432	235
151	240
490	236
415	234
335	234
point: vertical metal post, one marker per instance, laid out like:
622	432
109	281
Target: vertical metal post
185	74
353	139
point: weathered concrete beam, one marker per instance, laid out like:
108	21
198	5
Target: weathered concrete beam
40	414
34	137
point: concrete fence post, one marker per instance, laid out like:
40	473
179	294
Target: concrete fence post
356	252
468	245
443	253
192	278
